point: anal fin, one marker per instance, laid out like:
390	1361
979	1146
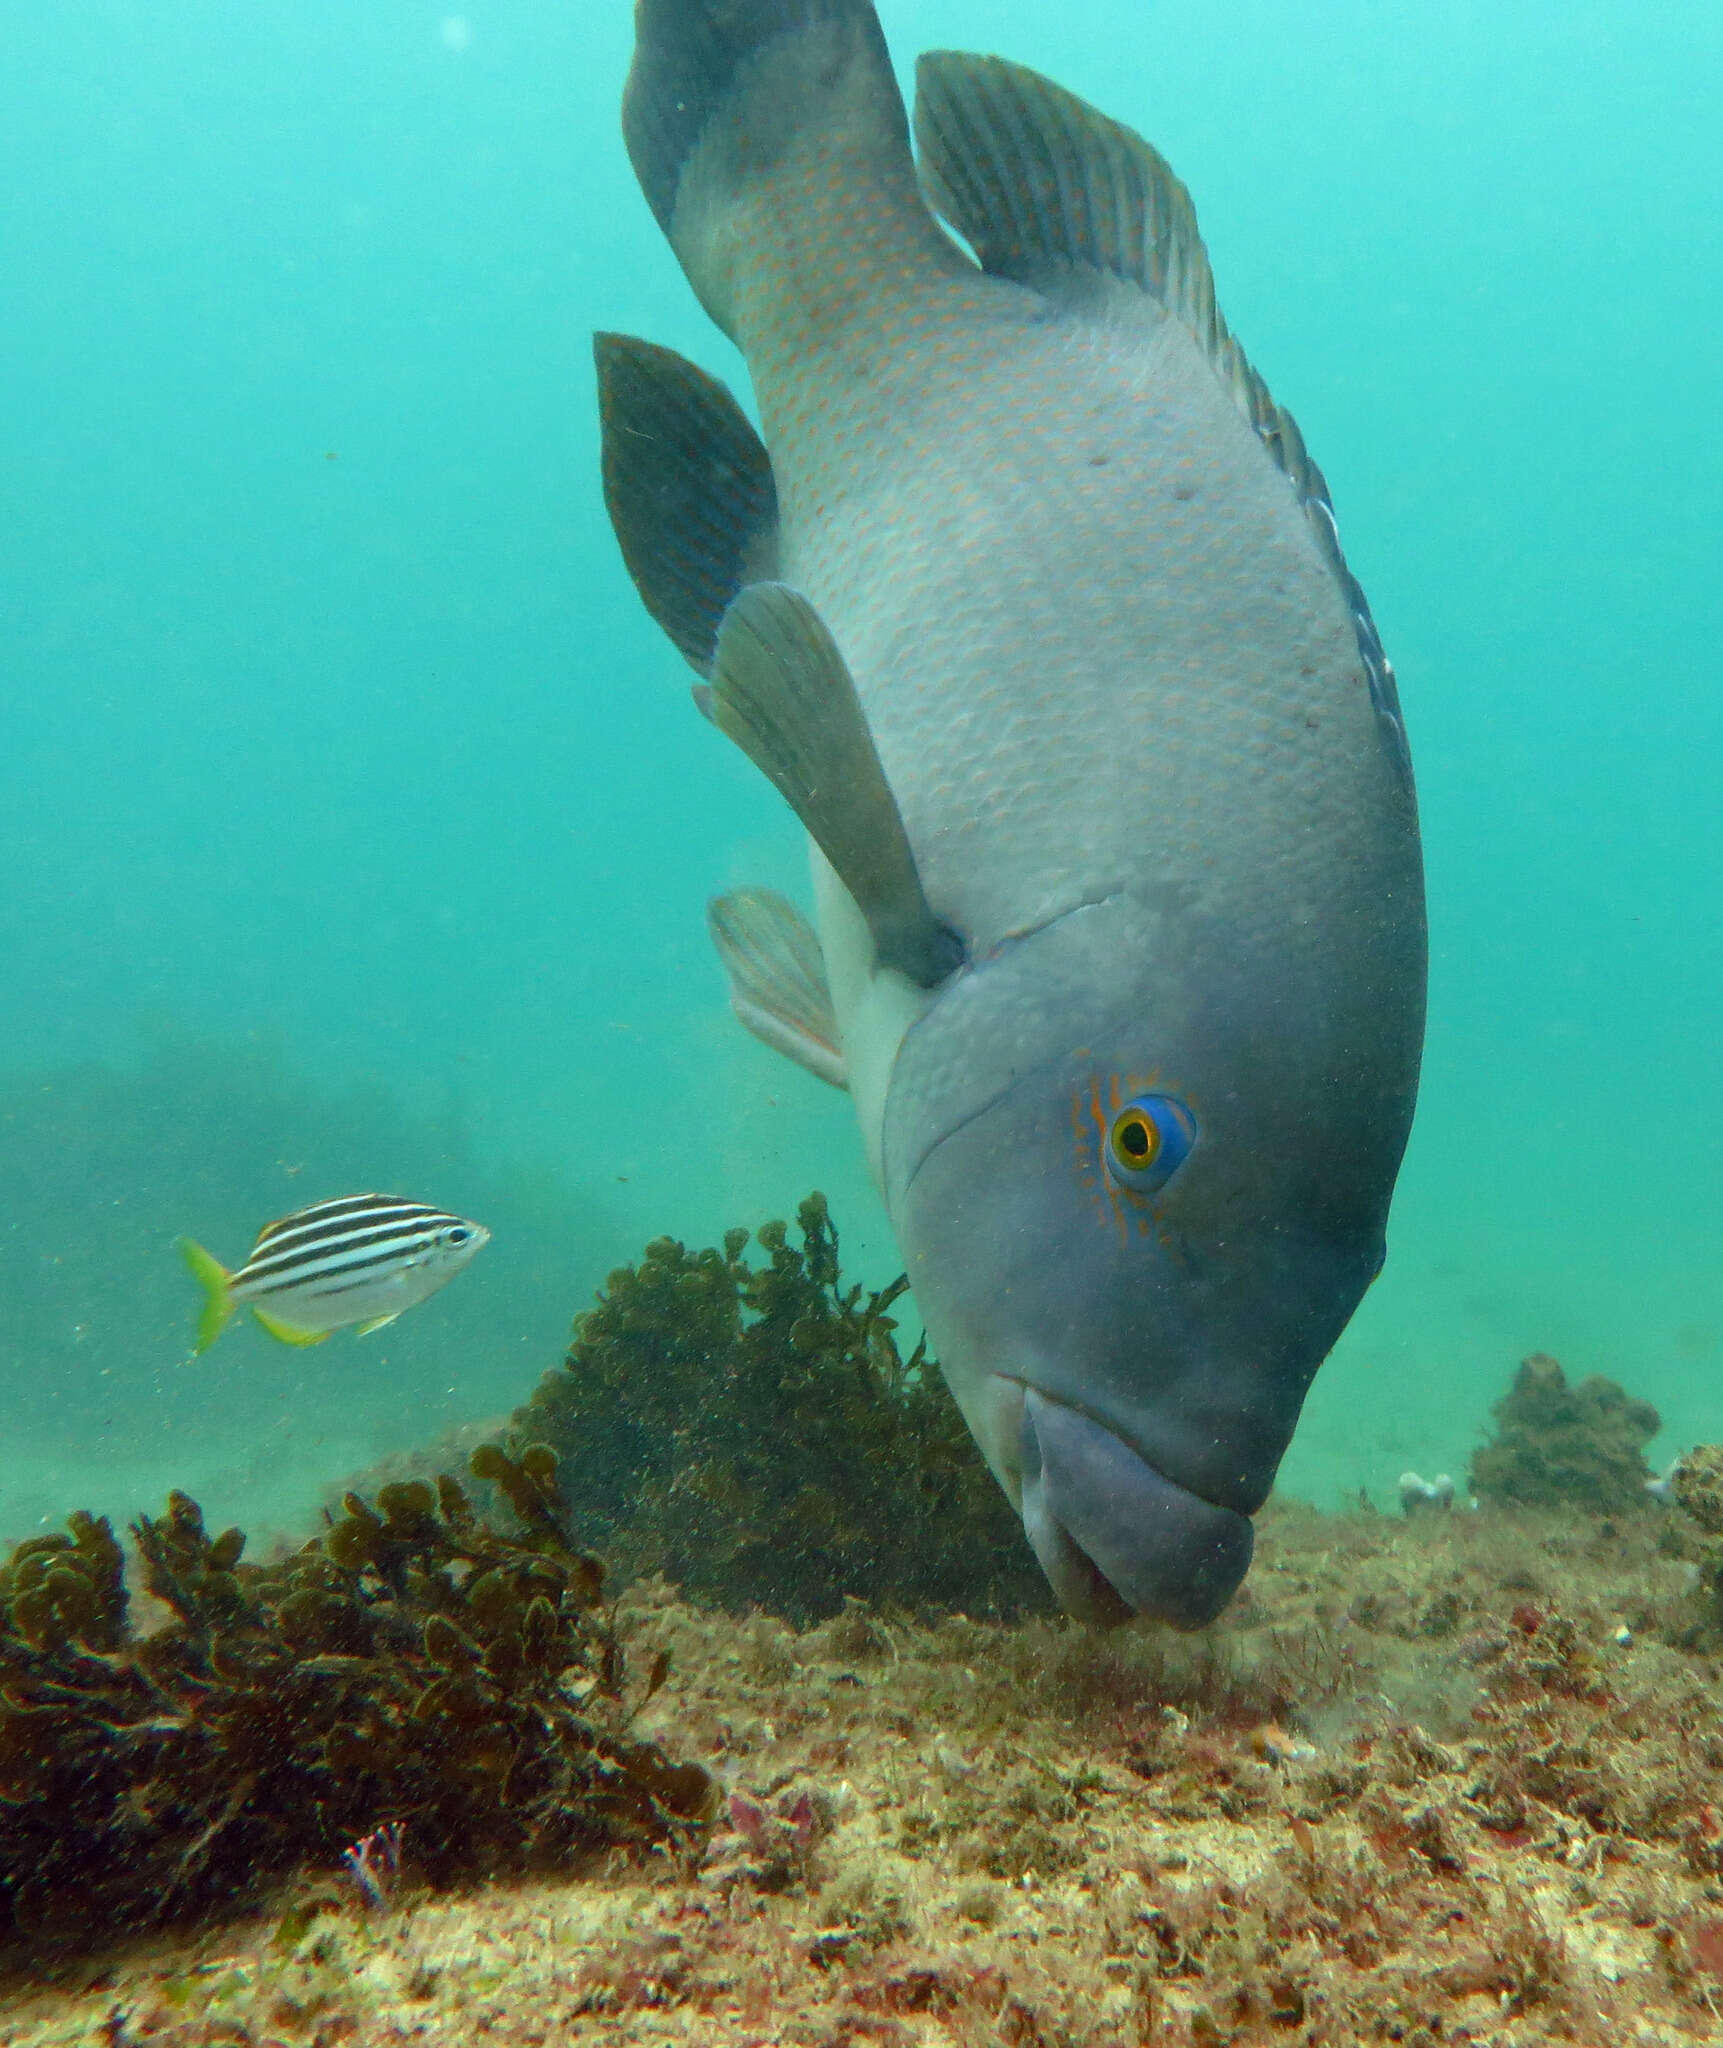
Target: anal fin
781	691
288	1333
688	485
778	978
377	1322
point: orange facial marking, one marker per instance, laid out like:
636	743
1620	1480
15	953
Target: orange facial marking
1092	1112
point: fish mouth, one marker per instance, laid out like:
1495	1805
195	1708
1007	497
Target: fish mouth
1114	1535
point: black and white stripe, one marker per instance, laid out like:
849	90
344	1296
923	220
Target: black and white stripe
339	1246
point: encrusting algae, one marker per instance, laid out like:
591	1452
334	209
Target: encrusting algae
1413	1789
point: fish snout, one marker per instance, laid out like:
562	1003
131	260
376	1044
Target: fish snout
1113	1535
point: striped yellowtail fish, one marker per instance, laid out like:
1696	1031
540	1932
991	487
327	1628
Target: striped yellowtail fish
359	1259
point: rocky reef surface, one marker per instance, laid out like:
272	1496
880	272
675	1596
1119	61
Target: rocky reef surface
1443	1779
805	1761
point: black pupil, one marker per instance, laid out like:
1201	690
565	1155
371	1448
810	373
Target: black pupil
459	1236
1135	1138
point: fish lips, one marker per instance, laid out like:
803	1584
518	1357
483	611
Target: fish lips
1114	1536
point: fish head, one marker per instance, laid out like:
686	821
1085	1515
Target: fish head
456	1241
1137	1206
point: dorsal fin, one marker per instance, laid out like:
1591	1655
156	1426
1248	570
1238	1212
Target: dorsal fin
1039	183
1046	191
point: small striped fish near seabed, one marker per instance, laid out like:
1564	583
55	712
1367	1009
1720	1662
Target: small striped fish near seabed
358	1259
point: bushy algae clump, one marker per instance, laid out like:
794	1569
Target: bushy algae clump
1696	1483
1696	1487
1558	1446
409	1667
752	1432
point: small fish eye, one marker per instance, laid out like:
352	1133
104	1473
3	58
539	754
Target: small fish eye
459	1234
1147	1142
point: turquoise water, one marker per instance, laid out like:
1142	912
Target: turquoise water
355	823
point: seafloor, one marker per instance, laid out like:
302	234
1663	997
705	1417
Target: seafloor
1457	1778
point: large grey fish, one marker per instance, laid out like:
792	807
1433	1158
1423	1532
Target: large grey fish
1036	613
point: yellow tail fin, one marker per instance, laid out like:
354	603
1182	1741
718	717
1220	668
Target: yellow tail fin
213	1277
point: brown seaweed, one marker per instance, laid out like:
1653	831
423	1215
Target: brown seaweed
1560	1446
409	1668
753	1433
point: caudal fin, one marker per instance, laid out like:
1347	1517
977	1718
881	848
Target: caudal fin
779	109
214	1278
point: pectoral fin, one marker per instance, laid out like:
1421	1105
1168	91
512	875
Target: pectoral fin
778	978
288	1333
688	487
781	691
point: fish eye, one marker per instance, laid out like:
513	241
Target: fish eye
1147	1142
457	1234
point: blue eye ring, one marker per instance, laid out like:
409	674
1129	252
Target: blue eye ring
1147	1142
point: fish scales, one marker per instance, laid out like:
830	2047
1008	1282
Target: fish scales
324	1255
309	1270
1056	739
336	1219
332	1215
996	702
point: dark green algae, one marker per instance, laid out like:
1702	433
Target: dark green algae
1558	1446
751	1431
409	1665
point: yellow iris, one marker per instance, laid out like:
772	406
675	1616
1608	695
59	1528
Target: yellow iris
1135	1139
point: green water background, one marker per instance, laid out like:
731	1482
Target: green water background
355	827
